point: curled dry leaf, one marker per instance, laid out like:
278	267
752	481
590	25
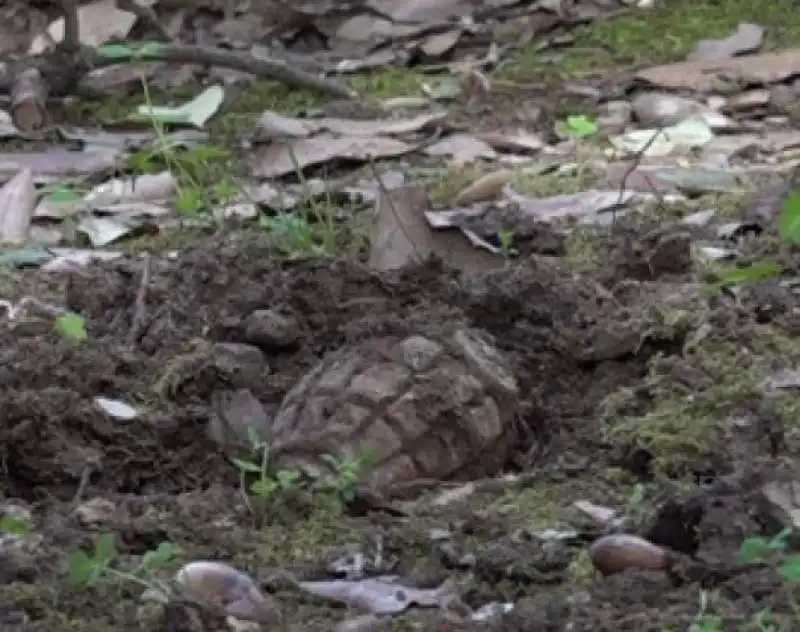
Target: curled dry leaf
615	553
220	585
380	596
485	188
145	188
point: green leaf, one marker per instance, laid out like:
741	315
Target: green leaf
752	550
790	569
14	526
196	112
287	479
264	488
123	52
160	555
120	52
246	466
71	326
789	219
22	257
580	126
751	274
62	193
780	541
105	549
81	567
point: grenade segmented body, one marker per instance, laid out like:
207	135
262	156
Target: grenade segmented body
431	406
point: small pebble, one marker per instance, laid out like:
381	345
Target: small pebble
615	553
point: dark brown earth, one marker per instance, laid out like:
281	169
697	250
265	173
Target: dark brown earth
572	341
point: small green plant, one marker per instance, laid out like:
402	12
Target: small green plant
89	569
298	237
773	551
270	489
577	126
506	239
11	525
789	230
267	487
704	621
71	326
348	473
202	172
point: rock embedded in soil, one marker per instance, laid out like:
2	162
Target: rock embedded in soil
431	406
657	109
270	328
619	552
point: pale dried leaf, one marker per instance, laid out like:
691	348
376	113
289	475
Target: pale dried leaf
487	187
705	76
379	596
746	39
440	44
574	205
99	22
47	166
402	234
285	158
423	11
17	202
515	142
277	125
462	149
67	259
102	231
7	129
145	188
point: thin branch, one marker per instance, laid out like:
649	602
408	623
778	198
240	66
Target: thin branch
62	71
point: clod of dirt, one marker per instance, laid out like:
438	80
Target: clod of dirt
621	551
238	416
269	328
431	407
217	584
200	372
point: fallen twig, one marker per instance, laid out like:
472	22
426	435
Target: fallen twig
61	70
140	304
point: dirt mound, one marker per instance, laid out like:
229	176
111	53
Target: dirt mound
603	369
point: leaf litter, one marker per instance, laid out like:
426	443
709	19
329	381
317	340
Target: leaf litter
211	402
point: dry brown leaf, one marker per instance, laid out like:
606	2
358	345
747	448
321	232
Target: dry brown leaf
274	124
48	165
706	75
280	160
99	22
462	149
402	234
487	187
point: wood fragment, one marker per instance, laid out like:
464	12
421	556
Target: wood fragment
72	37
29	102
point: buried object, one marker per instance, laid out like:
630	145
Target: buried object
426	407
